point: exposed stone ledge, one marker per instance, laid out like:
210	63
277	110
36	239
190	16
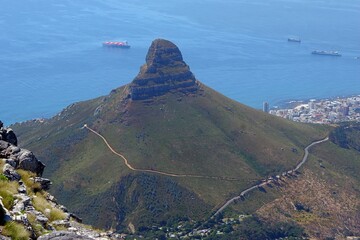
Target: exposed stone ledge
163	72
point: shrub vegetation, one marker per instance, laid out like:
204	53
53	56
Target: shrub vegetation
45	207
15	231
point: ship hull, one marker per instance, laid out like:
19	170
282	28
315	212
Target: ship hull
116	44
326	53
294	40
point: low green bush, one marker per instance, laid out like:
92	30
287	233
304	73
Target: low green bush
3	177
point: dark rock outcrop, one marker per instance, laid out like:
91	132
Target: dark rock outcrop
164	71
29	162
16	157
10	173
7	134
20	158
44	182
2	213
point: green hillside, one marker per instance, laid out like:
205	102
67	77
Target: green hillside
188	129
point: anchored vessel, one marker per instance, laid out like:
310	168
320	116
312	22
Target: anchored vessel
116	44
298	40
327	53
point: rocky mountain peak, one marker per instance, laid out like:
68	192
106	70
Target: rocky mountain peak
164	71
163	53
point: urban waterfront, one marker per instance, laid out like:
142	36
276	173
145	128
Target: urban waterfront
326	111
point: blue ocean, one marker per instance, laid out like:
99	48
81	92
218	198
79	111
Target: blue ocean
51	52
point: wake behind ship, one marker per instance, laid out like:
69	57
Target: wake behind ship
326	53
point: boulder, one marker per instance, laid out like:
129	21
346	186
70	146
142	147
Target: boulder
75	217
4	213
3	148
10	136
17	157
22	187
21	202
11	162
20	158
44	182
10	172
61	223
42	219
29	162
12	151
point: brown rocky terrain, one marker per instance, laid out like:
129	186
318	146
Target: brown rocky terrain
325	210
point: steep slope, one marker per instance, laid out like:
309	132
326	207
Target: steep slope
27	210
165	121
325	199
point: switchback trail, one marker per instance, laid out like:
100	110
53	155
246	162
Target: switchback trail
155	171
242	194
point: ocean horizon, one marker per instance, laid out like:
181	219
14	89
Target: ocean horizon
52	53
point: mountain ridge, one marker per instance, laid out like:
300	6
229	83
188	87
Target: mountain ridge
193	130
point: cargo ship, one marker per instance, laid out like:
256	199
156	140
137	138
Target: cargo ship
298	40
116	44
326	53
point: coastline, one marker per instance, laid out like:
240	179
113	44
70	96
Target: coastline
321	111
292	103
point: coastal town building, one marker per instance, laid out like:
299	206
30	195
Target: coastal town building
266	107
326	111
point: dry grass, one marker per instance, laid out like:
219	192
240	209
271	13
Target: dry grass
332	205
7	190
56	214
60	228
306	218
15	231
30	184
36	226
42	205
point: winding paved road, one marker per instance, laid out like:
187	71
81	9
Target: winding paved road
242	194
155	171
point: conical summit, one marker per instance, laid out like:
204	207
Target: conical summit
163	71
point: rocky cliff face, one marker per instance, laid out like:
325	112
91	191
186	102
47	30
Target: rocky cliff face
16	157
26	209
164	71
7	134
